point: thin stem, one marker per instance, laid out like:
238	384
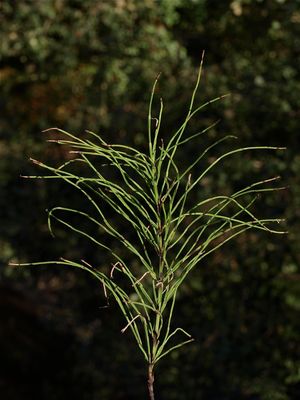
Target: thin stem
151	381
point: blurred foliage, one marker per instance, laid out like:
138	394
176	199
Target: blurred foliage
90	65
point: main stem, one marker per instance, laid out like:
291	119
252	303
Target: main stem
150	381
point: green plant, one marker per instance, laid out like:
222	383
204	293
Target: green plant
152	195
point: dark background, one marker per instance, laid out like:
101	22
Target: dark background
90	65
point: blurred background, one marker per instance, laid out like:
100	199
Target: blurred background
90	65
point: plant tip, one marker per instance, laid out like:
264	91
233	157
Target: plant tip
49	129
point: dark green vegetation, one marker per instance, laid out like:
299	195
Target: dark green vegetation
90	65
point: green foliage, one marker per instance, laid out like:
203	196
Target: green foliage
172	237
92	65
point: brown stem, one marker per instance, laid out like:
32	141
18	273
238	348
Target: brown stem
150	381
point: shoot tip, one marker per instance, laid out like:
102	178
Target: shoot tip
50	129
11	264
